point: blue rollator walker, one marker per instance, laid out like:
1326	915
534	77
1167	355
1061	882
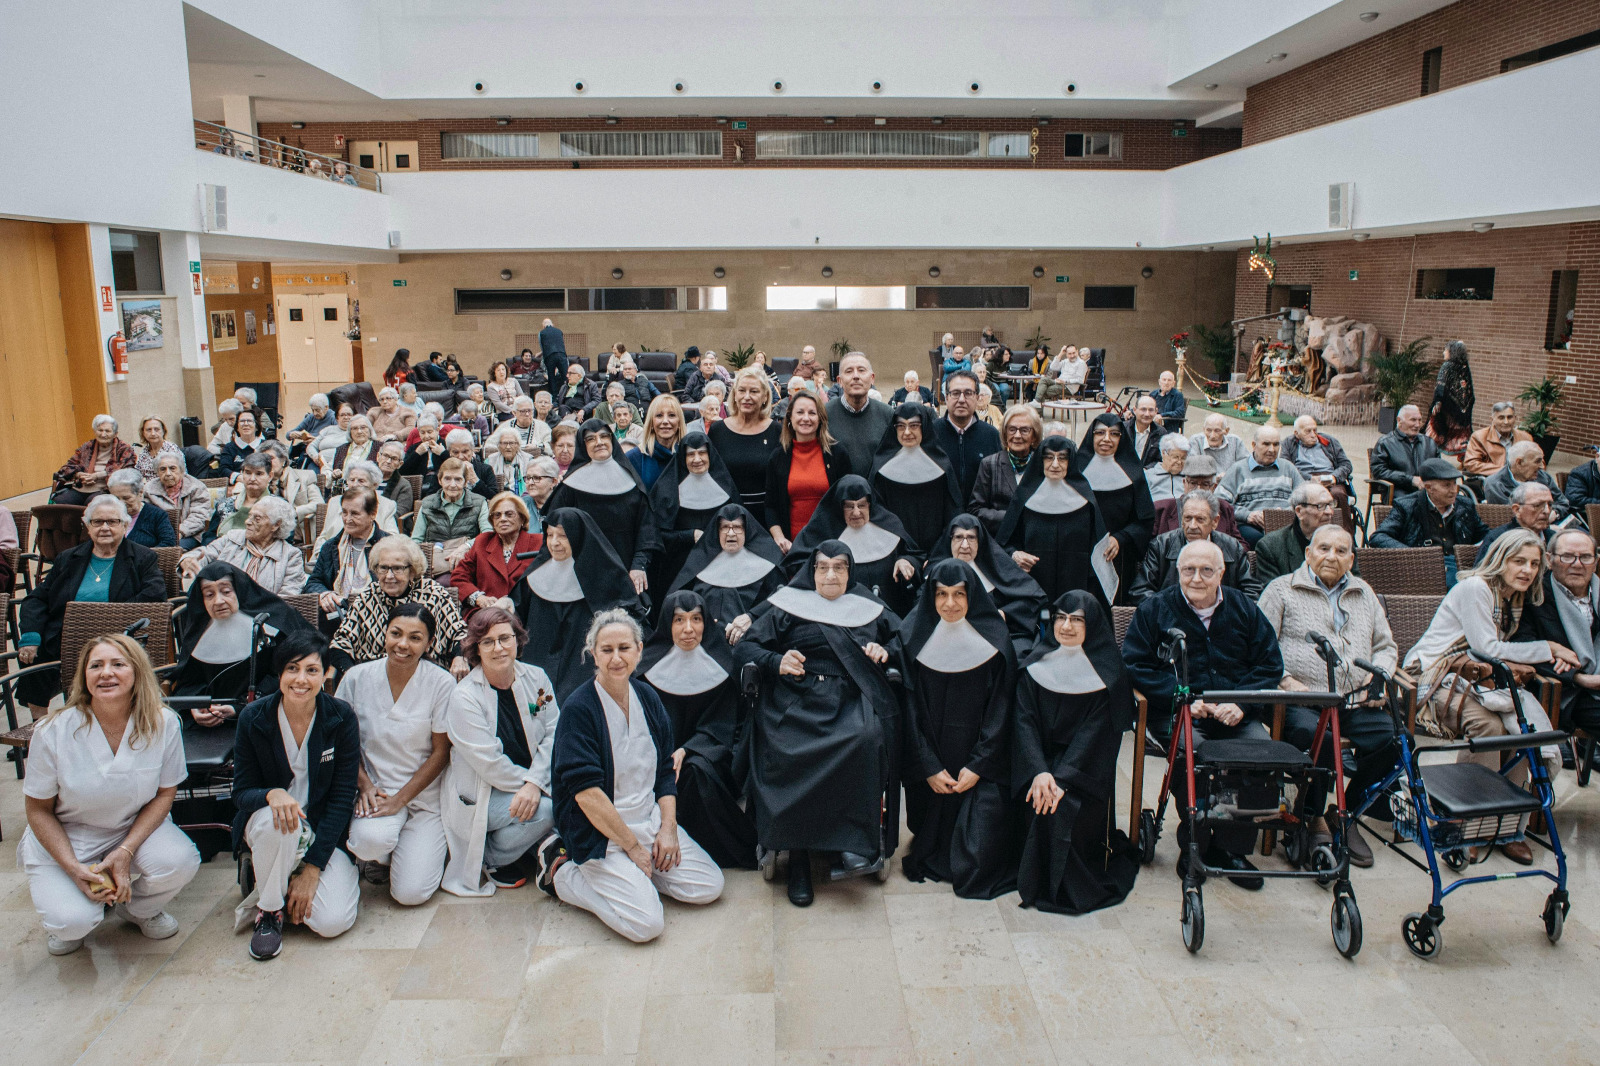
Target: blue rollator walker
1448	808
1265	784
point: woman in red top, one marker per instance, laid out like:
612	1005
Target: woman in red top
399	369
800	472
486	574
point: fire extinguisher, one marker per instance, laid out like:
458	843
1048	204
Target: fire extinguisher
117	349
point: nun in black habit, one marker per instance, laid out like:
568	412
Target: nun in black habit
914	478
1053	527
691	488
690	666
1073	704
1108	464
733	569
885	558
1018	596
823	740
961	674
610	492
213	638
574	575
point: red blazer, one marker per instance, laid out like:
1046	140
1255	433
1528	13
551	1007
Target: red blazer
484	568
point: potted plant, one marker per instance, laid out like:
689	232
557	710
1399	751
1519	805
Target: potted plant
737	357
1220	354
1540	421
1037	341
1397	375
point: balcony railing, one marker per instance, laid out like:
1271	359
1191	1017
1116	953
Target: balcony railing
210	137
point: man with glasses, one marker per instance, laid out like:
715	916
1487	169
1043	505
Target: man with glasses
1199	472
1532	508
965	437
1230	645
1198	512
1144	429
1441	514
1283	550
1570	615
341	568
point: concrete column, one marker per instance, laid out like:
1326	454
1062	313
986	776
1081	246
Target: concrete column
105	288
239	115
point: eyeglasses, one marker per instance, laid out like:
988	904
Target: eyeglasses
1206	572
505	640
1019	431
952	394
1329	506
386	568
105	521
1570	559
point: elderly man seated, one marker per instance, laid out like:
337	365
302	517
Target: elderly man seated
1398	456
1262	481
1441	514
1323	596
1321	458
340	570
1283	550
1166	477
1199	472
1524	466
1171	407
1144	429
1231	645
1217	443
1198	511
1486	449
1569	615
912	390
1532	508
1583	484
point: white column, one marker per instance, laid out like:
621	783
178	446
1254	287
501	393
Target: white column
105	295
180	273
239	115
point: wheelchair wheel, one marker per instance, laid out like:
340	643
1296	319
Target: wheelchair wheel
1555	917
1324	862
1422	935
1456	859
247	874
1346	923
1585	761
1147	837
1294	846
1194	920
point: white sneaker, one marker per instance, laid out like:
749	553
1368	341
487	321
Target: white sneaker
159	927
56	946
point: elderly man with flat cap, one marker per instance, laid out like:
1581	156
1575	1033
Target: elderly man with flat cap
1199	472
1441	514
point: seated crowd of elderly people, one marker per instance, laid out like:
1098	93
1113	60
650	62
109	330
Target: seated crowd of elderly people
422	601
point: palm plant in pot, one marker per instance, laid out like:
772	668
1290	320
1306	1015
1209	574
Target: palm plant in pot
1540	421
1398	374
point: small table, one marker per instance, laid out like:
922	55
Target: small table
1070	411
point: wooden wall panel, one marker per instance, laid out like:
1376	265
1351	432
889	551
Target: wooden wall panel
80	315
37	430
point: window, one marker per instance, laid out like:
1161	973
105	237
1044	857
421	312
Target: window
924	144
1108	297
1470	283
1094	146
631	299
1563	306
1009	145
836	298
634	145
1432	60
296	315
487	146
1551	51
330	314
972	297
136	263
473	301
402	161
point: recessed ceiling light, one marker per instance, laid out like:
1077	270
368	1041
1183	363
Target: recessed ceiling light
936	121
1482	227
830	120
261	75
502	121
1368	16
612	120
1277	57
297	125
1359	236
1210	86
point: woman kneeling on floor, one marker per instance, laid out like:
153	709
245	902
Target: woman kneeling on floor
616	798
294	781
102	772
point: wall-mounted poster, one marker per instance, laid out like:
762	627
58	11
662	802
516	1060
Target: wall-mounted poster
249	327
224	334
141	324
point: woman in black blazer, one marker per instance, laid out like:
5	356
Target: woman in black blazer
295	799
809	439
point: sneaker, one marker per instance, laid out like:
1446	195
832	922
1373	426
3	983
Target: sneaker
375	873
268	938
56	946
159	927
550	855
511	875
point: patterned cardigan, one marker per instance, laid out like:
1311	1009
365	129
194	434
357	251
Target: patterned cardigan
82	461
366	615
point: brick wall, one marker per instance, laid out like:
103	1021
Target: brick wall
1475	36
1146	144
1505	335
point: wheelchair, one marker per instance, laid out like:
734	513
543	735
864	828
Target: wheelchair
1446	809
1261	783
203	806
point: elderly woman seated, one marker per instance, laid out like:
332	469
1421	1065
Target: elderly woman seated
108	568
490	568
360	447
504	455
153	444
391	420
360	475
261	549
399	575
84	474
423	460
326	443
175	489
246	441
148	526
253	484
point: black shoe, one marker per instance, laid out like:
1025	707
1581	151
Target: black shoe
375	873
851	864
512	875
550	856
1223	860
800	893
267	940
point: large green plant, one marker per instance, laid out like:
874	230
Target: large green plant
1401	372
737	357
1216	348
1037	341
841	348
1542	397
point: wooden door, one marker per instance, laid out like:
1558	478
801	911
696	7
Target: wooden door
400	156
297	342
36	414
366	154
330	322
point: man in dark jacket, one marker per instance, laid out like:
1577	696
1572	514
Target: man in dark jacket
430	373
1145	431
1322	458
1524	465
636	388
1568	615
856	420
578	394
965	438
1170	403
1583	485
1398	456
1283	550
1441	514
340	570
694	390
1199	512
686	369
553	350
1532	508
1230	645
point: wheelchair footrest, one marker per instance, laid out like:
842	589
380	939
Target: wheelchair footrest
1249	753
1472	790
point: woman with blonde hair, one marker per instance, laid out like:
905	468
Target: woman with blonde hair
153	444
663	429
102	771
1000	473
749	435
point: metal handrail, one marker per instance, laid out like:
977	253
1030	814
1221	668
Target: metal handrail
210	137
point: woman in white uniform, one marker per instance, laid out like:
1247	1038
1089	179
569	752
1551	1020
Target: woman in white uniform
102	771
402	703
295	760
502	726
619	846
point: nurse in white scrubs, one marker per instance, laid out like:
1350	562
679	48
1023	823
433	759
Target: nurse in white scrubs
102	772
402	702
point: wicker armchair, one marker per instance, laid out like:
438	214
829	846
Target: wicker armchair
1494	514
1275	518
1403	571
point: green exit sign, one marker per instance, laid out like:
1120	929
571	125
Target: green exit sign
1062	279
741	124
1180	131
1355	275
399	283
194	266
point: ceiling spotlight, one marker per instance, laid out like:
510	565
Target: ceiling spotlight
718	272
1038	272
933	272
616	273
830	120
1368	16
827	272
1211	86
1482	227
877	86
612	120
297	125
505	275
937	121
722	122
1359	236
1147	272
502	121
1277	57
1042	121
